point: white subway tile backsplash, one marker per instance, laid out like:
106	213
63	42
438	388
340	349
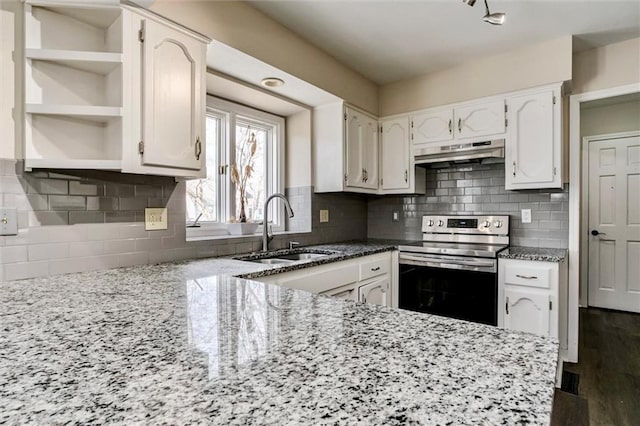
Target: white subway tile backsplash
22	270
13	254
48	251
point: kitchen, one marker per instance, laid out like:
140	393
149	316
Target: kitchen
73	221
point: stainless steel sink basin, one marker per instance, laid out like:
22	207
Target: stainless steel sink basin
302	256
283	258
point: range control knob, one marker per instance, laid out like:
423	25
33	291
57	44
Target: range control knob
431	222
497	224
440	223
487	223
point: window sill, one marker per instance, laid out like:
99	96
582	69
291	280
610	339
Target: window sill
203	237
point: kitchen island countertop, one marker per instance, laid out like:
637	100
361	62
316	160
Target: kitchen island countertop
189	343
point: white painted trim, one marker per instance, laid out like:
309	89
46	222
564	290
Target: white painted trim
575	172
584	207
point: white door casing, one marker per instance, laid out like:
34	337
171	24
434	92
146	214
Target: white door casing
614	212
172	93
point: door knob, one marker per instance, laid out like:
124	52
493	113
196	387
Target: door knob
595	233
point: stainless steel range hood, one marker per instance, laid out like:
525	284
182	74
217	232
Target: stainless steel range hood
460	152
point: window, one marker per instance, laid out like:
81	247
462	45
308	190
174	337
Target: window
231	130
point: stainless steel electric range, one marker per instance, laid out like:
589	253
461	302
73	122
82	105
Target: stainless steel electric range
453	271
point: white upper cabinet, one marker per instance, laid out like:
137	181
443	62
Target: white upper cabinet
432	126
533	156
466	122
173	97
361	147
345	150
398	173
480	120
90	90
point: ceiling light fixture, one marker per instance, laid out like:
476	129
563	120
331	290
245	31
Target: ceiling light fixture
493	18
272	82
469	2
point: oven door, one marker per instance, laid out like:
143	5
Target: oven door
451	286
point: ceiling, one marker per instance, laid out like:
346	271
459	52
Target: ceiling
388	40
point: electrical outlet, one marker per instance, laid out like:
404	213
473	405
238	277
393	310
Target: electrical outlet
155	219
8	221
395	217
526	215
324	216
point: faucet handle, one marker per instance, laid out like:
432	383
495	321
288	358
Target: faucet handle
292	244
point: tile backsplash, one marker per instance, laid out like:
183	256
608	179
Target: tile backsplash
475	189
72	221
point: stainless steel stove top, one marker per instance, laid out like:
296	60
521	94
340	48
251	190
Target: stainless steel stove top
473	236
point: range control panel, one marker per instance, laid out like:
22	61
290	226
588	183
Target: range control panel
494	225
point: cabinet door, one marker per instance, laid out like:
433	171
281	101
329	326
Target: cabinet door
361	150
432	126
354	146
526	310
533	148
395	154
480	120
370	152
349	292
376	292
173	94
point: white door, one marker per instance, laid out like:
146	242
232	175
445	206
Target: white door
480	120
354	146
173	95
614	216
375	293
527	310
532	154
347	292
395	154
432	126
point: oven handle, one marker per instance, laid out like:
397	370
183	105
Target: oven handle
447	261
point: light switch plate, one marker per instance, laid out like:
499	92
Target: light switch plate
155	218
8	221
526	215
324	216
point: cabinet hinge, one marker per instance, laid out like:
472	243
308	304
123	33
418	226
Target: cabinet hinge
411	136
345	116
550	305
141	32
554	100
505	108
381	181
555	171
345	177
380	129
412	124
141	147
506	122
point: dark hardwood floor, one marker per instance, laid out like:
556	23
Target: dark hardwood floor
608	372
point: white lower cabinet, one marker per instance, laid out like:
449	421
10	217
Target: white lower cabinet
376	292
532	297
368	279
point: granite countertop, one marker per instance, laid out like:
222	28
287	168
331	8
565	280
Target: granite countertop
188	343
534	253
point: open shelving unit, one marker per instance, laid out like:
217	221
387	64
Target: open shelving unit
73	85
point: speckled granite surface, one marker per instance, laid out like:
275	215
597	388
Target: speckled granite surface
534	253
335	253
187	343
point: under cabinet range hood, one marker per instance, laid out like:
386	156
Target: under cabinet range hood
460	152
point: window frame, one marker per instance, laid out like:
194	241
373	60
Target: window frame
230	113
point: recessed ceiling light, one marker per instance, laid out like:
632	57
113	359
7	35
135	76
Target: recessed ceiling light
272	82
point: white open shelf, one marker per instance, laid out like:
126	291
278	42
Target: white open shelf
101	63
94	113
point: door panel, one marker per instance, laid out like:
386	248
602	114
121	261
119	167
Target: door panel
614	212
480	120
395	154
369	152
354	146
375	293
432	126
527	311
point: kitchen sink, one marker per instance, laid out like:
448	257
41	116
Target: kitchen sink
283	257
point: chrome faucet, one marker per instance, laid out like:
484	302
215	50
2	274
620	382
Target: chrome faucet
265	223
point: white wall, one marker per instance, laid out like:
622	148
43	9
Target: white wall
616	118
535	65
298	158
609	66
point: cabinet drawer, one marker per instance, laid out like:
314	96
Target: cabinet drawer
529	275
373	268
